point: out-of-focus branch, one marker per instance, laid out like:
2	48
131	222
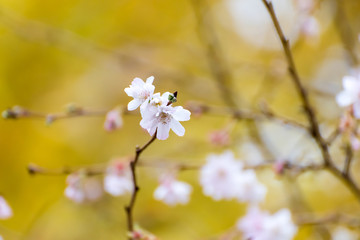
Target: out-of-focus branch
164	164
216	61
71	112
130	207
332	137
265	114
314	125
333	218
346	33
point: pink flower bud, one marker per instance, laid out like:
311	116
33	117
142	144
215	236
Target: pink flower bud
219	138
113	120
279	167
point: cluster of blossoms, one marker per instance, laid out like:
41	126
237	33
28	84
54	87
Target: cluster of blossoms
223	177
260	225
350	98
158	114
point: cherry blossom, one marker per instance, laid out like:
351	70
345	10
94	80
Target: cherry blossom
343	233
161	116
172	191
260	225
5	210
118	180
141	92
113	120
219	174
351	94
223	177
249	188
82	188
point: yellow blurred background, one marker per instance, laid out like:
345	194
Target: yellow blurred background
86	52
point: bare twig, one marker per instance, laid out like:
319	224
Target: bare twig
333	218
348	158
314	125
242	114
129	208
18	112
333	136
346	33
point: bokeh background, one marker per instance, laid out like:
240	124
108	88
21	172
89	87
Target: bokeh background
86	52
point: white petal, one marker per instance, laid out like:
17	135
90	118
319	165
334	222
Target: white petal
150	80
137	82
163	131
351	83
134	104
345	98
129	91
356	108
177	127
181	114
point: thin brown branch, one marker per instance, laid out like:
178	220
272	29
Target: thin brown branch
199	108
18	112
333	218
333	136
130	207
89	171
314	125
346	33
348	159
215	58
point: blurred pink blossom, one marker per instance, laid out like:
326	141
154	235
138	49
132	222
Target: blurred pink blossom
351	94
260	225
219	137
223	177
81	188
172	191
113	120
117	180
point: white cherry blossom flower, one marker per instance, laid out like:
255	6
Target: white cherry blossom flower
118	180
160	116
260	225
249	188
223	177
82	188
141	92
113	120
218	175
172	191
351	94
343	233
5	209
